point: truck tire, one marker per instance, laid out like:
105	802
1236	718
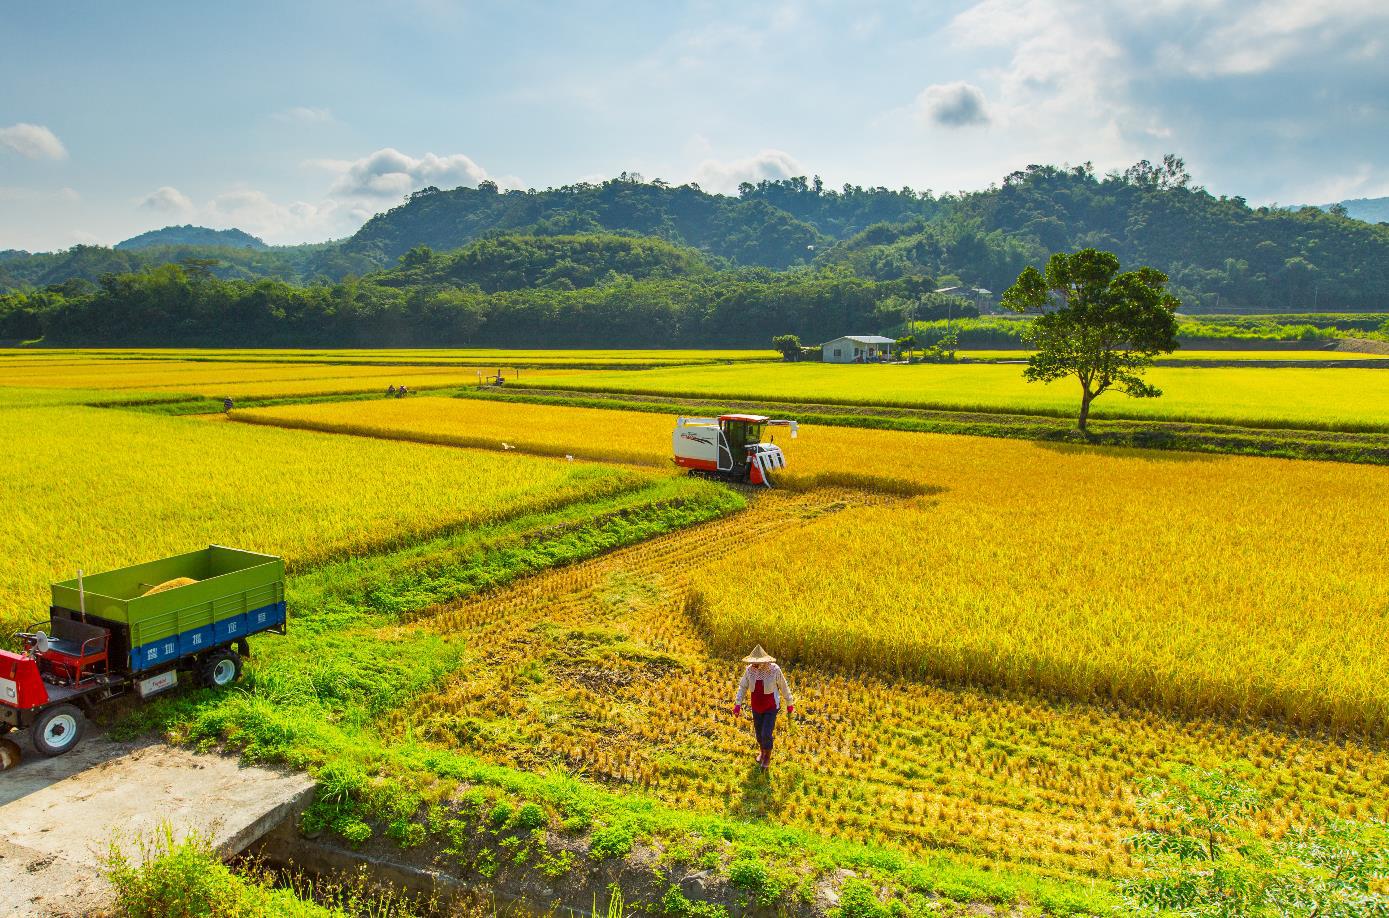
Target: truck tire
58	730
221	668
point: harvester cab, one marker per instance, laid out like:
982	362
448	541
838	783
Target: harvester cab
730	446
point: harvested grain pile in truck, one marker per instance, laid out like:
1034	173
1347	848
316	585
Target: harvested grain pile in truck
168	585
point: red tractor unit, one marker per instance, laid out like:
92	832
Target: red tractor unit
730	447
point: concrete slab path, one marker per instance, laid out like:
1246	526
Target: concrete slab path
62	814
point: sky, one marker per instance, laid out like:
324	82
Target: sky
296	121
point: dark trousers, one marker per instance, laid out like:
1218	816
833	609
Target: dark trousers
763	725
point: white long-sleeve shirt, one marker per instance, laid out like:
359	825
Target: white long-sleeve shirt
773	679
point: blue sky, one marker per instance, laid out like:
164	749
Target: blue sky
297	120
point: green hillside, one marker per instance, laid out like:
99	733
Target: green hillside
193	235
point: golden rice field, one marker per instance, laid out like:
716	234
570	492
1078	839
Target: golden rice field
239	380
992	641
603	675
481	357
585	433
1189	583
1326	398
96	488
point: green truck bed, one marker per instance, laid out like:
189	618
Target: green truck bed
237	593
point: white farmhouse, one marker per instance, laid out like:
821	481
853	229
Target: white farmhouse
857	349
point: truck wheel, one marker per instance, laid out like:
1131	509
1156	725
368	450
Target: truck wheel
58	729
221	668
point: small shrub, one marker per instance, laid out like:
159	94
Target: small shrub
354	831
557	865
674	904
531	816
173	878
577	824
500	815
612	842
858	900
752	876
486	863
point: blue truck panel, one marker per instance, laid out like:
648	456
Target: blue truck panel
195	640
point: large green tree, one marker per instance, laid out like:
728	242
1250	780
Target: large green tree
1096	323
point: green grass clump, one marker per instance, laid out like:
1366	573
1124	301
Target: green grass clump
180	879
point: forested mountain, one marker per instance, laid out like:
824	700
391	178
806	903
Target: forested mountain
483	295
298	264
517	262
193	235
1221	254
773	224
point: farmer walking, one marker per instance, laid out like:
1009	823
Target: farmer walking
763	685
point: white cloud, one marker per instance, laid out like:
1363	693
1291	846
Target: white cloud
389	173
1234	39
1248	92
260	215
301	114
953	105
725	175
36	195
168	200
361	188
1066	77
33	141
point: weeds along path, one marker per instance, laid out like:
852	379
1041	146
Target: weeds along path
598	668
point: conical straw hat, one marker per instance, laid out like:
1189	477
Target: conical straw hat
759	655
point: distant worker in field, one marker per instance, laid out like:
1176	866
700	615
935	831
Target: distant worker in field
401	392
390	391
763	685
227	405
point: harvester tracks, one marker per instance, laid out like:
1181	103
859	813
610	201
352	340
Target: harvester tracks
671	556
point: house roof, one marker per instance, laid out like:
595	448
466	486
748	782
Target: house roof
865	339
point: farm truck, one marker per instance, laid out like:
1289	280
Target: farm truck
730	447
134	630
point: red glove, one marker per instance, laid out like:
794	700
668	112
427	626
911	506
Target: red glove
737	710
790	709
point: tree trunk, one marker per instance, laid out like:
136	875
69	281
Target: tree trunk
1085	400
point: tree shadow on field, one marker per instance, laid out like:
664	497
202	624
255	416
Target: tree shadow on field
1150	446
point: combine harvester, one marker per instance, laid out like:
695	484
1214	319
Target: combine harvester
730	447
135	630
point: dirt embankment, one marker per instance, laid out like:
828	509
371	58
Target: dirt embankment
1362	345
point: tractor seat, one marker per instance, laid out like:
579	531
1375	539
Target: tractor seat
76	650
65	646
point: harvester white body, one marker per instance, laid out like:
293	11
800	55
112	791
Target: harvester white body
730	446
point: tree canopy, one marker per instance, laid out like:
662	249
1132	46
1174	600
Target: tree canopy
1095	323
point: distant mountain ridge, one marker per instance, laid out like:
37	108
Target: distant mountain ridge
1371	210
193	235
1220	253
